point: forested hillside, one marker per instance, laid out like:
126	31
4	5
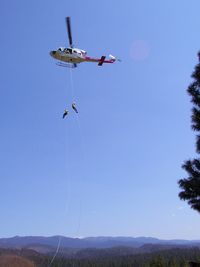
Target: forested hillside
15	261
166	258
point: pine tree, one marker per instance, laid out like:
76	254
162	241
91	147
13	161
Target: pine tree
158	261
191	185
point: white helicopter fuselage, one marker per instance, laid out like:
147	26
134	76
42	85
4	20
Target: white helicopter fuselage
70	55
76	55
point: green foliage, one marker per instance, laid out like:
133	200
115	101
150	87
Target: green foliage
165	258
157	262
191	185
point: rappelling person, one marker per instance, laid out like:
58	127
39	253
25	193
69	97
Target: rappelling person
65	113
74	107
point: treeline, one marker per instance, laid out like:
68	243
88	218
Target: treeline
168	258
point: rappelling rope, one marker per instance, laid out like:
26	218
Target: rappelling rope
72	84
79	129
56	252
66	211
67	206
68	193
77	232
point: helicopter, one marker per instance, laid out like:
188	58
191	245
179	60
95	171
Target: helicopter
72	56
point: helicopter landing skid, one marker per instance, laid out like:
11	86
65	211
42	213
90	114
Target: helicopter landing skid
66	65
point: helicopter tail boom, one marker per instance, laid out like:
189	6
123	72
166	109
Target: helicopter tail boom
101	61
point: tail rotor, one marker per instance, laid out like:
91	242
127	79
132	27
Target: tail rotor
114	58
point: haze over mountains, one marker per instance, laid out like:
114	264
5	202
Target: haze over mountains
48	243
94	248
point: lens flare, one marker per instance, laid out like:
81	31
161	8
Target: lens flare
139	50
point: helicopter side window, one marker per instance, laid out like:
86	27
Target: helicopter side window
75	51
66	51
60	49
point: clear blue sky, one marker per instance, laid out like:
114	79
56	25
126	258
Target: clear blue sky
113	170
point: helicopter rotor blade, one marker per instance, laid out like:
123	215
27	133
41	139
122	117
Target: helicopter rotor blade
69	31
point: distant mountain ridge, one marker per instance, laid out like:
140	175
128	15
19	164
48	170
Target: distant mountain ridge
100	242
93	247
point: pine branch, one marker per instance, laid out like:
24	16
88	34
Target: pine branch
191	185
